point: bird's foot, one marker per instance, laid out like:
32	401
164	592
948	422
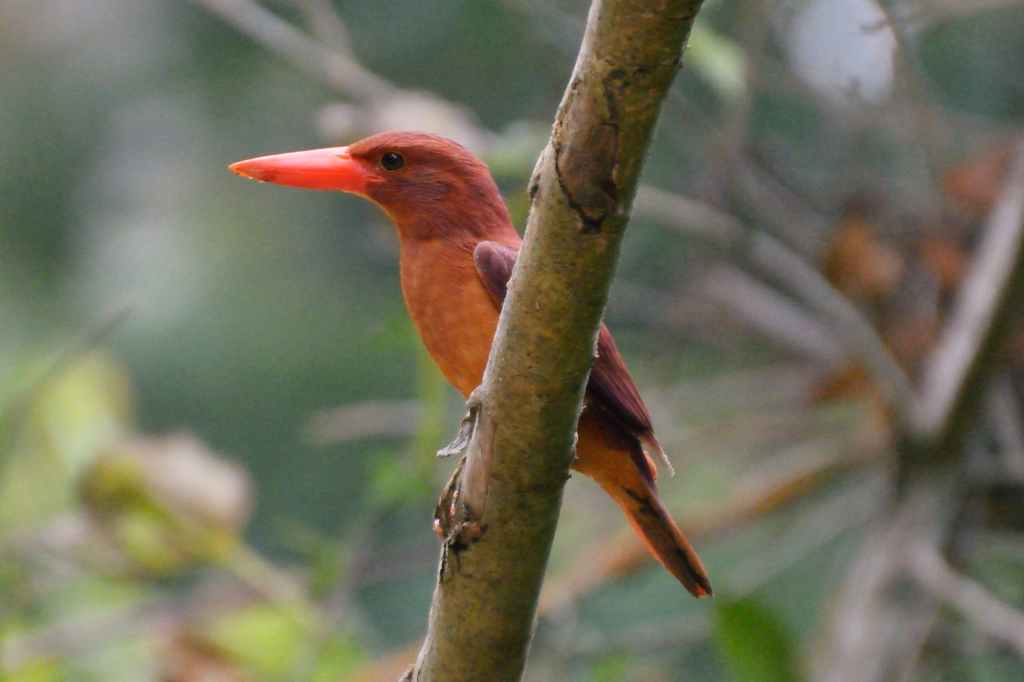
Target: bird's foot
459	516
454	523
444	513
467	426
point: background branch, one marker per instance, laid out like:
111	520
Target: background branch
973	601
339	71
958	367
843	323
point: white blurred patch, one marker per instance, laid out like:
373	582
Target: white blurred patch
843	49
405	110
98	40
139	244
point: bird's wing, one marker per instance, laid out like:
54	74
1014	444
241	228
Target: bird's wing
494	263
610	384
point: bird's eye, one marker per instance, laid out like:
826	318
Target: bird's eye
392	161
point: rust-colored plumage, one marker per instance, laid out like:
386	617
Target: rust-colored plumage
458	247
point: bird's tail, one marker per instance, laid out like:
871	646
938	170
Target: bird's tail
616	460
663	538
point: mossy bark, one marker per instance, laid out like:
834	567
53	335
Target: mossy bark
484	607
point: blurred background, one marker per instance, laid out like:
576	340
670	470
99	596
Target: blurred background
217	424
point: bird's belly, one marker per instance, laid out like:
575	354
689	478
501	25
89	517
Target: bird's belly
457	325
461	352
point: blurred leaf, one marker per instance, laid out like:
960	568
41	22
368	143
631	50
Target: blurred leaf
613	668
267	639
340	657
168	501
85	408
719	61
754	642
145	536
44	671
55	435
394	478
28	646
33	486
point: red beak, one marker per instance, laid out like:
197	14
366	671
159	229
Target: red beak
331	168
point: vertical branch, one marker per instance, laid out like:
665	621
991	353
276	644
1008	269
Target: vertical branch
485	603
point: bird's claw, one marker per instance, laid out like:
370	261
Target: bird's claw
467	426
458	518
453	523
444	513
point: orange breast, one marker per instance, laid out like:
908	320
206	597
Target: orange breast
455	316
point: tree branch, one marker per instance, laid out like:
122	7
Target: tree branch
338	71
775	315
971	600
843	318
583	187
777	261
954	376
872	632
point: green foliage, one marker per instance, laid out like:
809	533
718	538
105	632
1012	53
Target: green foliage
754	642
614	668
720	61
43	671
53	429
267	639
339	658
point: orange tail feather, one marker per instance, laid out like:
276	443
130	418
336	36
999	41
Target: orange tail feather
616	460
663	538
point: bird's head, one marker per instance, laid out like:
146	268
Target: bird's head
430	186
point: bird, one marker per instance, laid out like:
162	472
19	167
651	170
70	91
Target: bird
457	250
